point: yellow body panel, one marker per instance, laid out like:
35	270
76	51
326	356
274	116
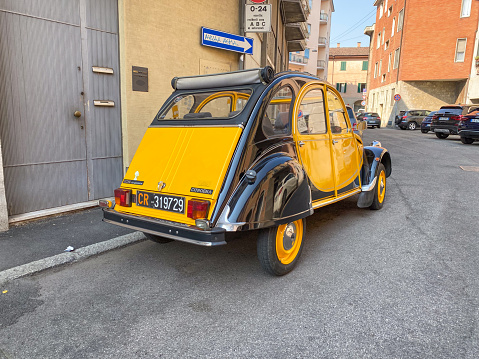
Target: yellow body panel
330	165
181	158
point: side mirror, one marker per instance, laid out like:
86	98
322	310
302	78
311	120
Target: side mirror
361	125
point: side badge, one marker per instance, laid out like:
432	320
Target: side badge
161	185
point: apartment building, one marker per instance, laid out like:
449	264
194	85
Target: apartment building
424	51
348	70
313	58
81	82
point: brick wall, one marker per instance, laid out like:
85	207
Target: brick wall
431	30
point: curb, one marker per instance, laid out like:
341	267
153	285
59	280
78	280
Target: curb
69	257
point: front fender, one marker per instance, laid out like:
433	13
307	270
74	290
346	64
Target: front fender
279	194
372	157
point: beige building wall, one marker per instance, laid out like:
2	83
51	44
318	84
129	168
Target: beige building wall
165	37
327	7
352	76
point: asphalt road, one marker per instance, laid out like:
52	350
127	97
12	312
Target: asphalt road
401	282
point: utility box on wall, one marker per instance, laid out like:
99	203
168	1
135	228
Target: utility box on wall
140	78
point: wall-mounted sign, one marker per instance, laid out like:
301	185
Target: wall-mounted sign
258	1
225	41
257	18
397	97
139	78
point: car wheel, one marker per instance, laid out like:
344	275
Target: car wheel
412	126
424	131
157	239
441	135
467	140
279	247
379	189
379	126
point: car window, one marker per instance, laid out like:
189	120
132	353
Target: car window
352	119
450	110
337	116
218	107
276	118
206	105
311	116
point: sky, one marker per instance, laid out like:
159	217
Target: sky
349	20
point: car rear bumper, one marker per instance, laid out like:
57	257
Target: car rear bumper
172	230
448	130
469	134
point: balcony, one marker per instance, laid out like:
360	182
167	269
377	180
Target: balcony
295	10
322	42
296	45
298	59
323	18
296	31
321	64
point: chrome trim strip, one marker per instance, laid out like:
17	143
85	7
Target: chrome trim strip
370	186
224	223
170	236
349	194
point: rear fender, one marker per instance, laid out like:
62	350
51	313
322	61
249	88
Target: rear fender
278	194
372	157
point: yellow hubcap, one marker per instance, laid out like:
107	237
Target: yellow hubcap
288	241
381	187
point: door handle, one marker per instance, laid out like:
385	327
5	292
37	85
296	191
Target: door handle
77	114
334	142
301	143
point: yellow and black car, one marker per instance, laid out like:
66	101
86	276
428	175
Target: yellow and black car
247	150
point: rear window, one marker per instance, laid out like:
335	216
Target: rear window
371	114
450	111
206	105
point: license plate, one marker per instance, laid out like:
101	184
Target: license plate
442	130
475	120
443	118
160	201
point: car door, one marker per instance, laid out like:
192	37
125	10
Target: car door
345	148
313	141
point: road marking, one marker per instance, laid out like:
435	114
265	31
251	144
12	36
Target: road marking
470	168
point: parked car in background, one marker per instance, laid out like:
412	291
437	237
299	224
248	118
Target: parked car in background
372	119
247	150
469	127
398	117
412	119
426	123
446	121
358	125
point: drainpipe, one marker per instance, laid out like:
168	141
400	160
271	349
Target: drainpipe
241	31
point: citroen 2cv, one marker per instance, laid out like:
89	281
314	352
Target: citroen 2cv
247	150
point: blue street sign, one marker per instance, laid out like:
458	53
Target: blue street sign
225	41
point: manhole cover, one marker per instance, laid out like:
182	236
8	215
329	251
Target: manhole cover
470	168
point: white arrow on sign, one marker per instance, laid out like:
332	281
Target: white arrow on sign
224	40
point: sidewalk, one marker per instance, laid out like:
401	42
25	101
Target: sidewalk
41	244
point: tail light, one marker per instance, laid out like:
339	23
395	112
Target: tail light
197	209
354	126
379	118
457	118
123	197
404	117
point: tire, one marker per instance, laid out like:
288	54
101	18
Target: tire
379	188
441	135
157	239
278	252
412	126
467	140
424	131
379	126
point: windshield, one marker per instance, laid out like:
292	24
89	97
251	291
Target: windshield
371	114
206	105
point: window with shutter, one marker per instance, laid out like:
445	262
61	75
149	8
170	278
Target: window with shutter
343	65
460	50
